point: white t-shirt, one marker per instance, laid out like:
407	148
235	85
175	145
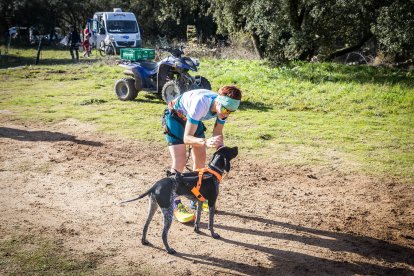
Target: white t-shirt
196	105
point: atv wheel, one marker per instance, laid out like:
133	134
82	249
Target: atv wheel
125	89
171	90
201	83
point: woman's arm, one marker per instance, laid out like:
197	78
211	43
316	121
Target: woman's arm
218	138
218	129
215	141
189	138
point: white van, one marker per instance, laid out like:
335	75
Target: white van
114	30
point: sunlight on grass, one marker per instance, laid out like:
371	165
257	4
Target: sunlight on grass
299	113
33	255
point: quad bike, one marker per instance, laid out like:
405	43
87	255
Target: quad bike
167	78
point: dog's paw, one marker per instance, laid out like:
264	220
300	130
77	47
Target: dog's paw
197	229
145	242
215	236
171	251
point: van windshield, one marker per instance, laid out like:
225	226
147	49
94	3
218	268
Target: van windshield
122	26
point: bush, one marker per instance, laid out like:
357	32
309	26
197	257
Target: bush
394	29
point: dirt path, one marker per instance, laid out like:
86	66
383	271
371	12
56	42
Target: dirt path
62	181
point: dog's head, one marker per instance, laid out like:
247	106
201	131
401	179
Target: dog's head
221	158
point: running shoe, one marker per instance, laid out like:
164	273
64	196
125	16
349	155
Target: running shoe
182	214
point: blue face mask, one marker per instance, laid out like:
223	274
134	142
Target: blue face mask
228	103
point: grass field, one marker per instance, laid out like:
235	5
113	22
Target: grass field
41	256
357	118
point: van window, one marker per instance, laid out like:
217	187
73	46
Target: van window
95	26
121	26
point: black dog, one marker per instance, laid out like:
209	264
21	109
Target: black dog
164	191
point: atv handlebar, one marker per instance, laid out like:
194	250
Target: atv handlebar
176	52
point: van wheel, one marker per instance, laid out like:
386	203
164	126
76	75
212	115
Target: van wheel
171	90
125	89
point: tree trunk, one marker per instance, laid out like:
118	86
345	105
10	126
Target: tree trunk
39	49
293	13
346	50
256	45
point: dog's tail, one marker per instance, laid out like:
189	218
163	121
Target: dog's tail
138	197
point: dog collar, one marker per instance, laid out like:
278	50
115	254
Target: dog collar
216	169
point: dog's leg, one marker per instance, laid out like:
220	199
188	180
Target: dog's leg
211	211
168	217
198	216
152	207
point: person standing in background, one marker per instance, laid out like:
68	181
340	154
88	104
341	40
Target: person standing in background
74	41
86	43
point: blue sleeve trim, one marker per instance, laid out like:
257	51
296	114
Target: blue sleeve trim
191	120
220	121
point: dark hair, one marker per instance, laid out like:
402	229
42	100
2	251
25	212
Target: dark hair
230	91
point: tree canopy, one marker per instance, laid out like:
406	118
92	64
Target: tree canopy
279	29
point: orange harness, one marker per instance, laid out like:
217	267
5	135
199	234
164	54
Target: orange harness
196	190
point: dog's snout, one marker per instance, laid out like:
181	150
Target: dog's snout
235	151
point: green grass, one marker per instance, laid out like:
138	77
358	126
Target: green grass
37	256
34	255
352	118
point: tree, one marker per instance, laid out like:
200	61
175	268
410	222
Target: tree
301	29
279	29
174	16
147	12
394	29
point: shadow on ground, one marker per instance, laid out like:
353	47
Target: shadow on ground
286	262
258	106
11	61
44	136
149	97
317	73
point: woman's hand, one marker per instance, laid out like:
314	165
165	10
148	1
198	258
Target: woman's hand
215	141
